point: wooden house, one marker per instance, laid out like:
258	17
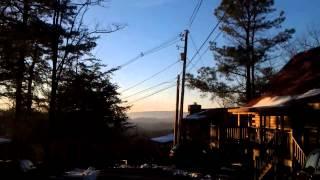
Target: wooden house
276	131
283	125
197	125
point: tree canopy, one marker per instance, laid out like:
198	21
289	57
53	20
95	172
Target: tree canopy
46	66
253	32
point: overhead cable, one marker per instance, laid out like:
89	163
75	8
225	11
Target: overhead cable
154	93
152	76
150	88
194	13
163	45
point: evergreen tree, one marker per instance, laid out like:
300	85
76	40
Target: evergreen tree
98	112
243	65
45	53
71	40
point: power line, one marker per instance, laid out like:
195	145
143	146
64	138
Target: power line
193	42
195	47
191	20
152	76
154	93
155	86
194	13
193	65
148	89
204	52
163	45
206	40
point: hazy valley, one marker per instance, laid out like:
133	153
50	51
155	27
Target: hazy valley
152	123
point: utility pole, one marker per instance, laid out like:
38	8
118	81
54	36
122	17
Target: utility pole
176	122
184	59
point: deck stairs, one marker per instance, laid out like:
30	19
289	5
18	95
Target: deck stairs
298	153
265	170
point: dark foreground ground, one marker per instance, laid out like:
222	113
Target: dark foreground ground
143	174
121	174
131	173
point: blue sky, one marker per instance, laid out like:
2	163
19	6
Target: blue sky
151	22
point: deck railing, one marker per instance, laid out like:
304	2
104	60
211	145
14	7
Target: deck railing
236	133
276	142
251	134
298	153
284	139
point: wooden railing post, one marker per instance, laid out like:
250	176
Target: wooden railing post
297	151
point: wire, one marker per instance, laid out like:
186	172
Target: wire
193	42
148	89
205	41
193	65
194	45
194	13
152	76
169	43
163	45
191	20
200	57
154	93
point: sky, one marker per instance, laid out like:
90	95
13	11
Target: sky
149	23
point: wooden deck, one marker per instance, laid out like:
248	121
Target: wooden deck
267	146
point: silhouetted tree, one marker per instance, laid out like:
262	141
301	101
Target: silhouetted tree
71	39
308	40
45	51
23	39
89	103
243	64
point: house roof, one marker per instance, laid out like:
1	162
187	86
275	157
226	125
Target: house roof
206	114
274	103
298	80
197	116
164	139
299	76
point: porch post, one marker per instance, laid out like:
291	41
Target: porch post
282	123
262	127
291	148
238	119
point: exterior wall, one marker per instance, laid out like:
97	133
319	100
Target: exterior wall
270	122
277	138
266	139
197	132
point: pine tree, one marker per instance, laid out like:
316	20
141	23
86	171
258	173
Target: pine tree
98	112
251	28
41	43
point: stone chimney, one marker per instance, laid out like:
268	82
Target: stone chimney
194	108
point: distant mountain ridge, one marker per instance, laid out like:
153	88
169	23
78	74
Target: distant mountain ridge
153	123
153	114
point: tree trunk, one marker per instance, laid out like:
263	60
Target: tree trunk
248	83
248	69
18	93
54	80
30	81
248	54
54	85
253	87
20	66
253	56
